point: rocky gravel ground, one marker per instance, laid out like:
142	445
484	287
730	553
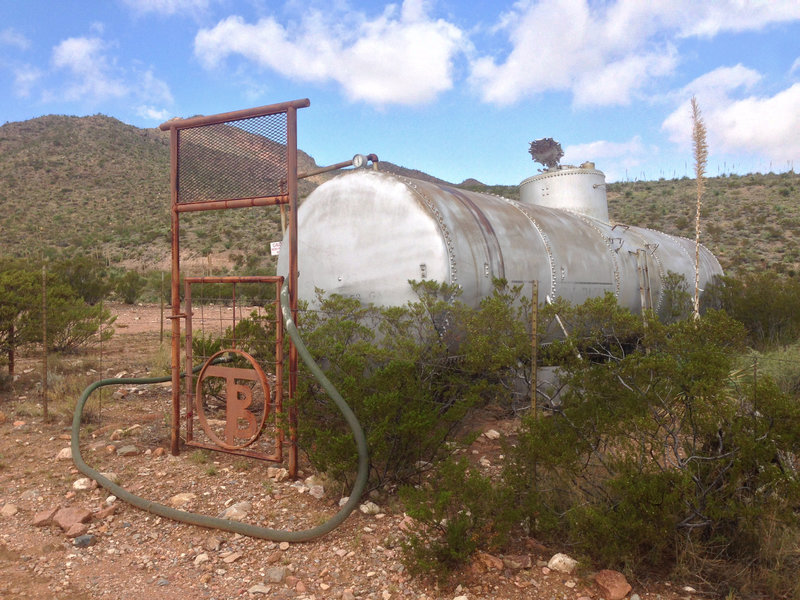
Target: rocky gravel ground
63	537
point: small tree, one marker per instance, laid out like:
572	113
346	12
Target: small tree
20	297
129	286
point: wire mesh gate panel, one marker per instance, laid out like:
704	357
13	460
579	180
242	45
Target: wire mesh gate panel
234	329
235	159
240	159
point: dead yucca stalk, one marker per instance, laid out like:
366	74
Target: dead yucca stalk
700	160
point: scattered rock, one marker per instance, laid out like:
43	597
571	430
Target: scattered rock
232	557
44	517
517	562
492	434
84	541
212	543
129	450
201	558
83	484
259	588
180	500
317	491
369	508
77	530
284	546
160	451
348	595
490	562
9	510
64	454
275	574
236	512
562	563
105	512
277	473
612	584
67	517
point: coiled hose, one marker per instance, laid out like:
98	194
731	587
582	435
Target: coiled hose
191	518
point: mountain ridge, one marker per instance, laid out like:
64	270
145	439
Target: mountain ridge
99	186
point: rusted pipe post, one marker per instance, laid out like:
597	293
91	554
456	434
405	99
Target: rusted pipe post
534	341
45	414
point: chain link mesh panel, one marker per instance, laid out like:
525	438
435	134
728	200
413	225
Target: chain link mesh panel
237	159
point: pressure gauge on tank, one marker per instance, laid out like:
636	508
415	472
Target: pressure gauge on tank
359	160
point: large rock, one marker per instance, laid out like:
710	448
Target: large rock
67	517
612	584
44	517
562	563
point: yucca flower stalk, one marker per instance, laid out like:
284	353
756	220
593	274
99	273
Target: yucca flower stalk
700	160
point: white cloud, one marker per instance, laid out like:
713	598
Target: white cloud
24	80
710	18
605	53
405	58
152	113
91	76
618	160
168	7
153	89
11	37
94	76
601	150
736	123
795	66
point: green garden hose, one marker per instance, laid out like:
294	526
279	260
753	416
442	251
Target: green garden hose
277	535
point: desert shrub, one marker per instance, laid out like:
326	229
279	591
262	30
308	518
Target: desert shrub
662	453
71	321
86	275
129	286
410	374
677	303
456	513
765	302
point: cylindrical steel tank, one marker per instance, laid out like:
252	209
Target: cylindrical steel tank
365	234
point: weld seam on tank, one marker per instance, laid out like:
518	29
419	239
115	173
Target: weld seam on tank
607	241
545	240
445	232
494	251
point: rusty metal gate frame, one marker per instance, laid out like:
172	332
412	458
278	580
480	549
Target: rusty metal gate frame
193	395
285	196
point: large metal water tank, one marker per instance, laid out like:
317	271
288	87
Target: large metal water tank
365	234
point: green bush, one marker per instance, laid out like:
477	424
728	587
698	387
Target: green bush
764	302
410	374
456	513
129	286
662	452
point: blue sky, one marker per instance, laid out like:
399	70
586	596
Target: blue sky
457	89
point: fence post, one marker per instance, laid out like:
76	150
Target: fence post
45	414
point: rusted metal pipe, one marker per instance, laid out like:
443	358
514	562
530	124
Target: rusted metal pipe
235	115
